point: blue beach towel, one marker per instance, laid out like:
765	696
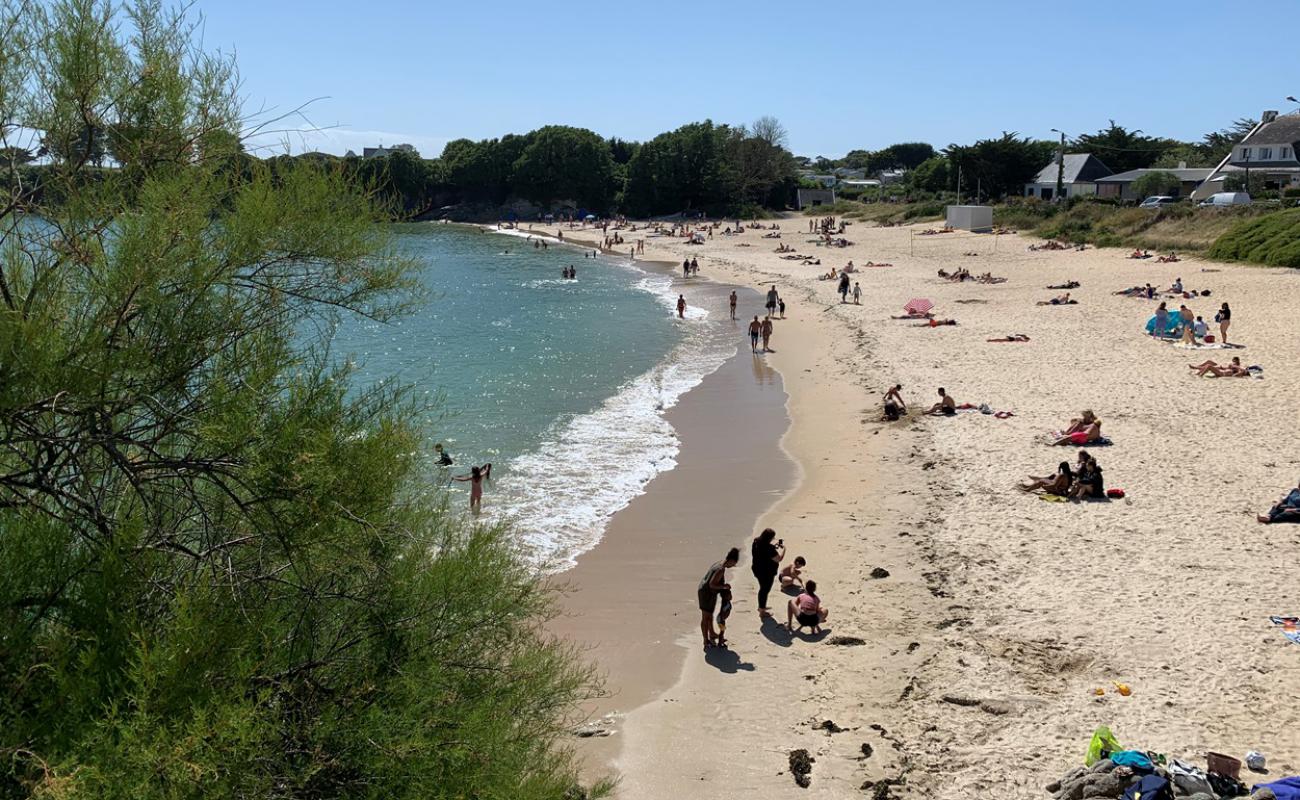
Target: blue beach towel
1285	789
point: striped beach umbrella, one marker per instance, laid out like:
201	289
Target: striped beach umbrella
918	306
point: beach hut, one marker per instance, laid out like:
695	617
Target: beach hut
970	218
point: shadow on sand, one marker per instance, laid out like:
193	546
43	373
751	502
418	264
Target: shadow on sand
726	660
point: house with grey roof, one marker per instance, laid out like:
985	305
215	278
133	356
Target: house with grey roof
384	152
1078	172
1121	183
1269	150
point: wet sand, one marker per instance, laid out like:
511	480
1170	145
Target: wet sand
628	598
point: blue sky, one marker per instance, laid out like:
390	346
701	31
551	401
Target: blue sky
839	75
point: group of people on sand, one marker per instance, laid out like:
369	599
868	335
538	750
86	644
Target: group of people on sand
690	266
962	274
1190	327
1083	482
767	552
844	289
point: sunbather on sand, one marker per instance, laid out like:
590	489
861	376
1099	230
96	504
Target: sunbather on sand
934	323
1068	285
1063	300
1216	370
1286	510
1058	484
946	405
1088	433
1082	421
1015	337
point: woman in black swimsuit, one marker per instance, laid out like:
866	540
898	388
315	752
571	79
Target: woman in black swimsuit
1224	318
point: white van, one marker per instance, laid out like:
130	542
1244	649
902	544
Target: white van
1227	199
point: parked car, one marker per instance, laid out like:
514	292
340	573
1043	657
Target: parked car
1157	201
1219	199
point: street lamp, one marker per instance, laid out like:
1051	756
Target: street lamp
1060	166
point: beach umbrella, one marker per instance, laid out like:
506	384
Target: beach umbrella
918	306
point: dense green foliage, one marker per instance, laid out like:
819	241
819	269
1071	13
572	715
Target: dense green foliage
998	167
1122	149
1273	240
224	572
1157	183
1107	223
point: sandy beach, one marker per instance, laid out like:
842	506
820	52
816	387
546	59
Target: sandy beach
1001	614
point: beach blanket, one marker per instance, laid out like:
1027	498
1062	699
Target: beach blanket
1052	436
1285	789
1290	627
1206	346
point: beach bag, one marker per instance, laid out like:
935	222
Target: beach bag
1227	787
1190	779
1150	787
1102	745
1115	494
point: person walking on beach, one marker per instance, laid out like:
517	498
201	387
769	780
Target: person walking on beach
857	293
844	287
695	267
1224	318
681	307
686	268
772	298
765	563
732	302
755	330
767	334
780	302
712	585
476	477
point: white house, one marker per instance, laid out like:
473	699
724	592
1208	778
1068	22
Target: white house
1078	173
1268	150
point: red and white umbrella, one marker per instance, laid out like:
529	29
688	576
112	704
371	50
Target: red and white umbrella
918	306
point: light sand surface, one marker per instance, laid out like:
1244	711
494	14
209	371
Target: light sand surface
1014	607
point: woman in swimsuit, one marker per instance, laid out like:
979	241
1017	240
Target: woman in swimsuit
476	477
1224	318
1216	370
1058	484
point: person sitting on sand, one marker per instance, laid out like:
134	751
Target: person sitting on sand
1081	431
1058	484
807	610
894	405
792	573
1215	370
1285	510
1177	287
1082	421
1088	480
1063	300
946	405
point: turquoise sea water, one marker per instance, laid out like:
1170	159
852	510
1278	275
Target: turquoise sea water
561	384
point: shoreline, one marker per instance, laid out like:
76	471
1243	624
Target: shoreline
1001	613
625	598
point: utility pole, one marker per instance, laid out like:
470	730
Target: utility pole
1060	167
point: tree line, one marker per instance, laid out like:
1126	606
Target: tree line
228	569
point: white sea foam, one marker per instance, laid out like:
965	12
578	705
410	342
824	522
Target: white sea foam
562	494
